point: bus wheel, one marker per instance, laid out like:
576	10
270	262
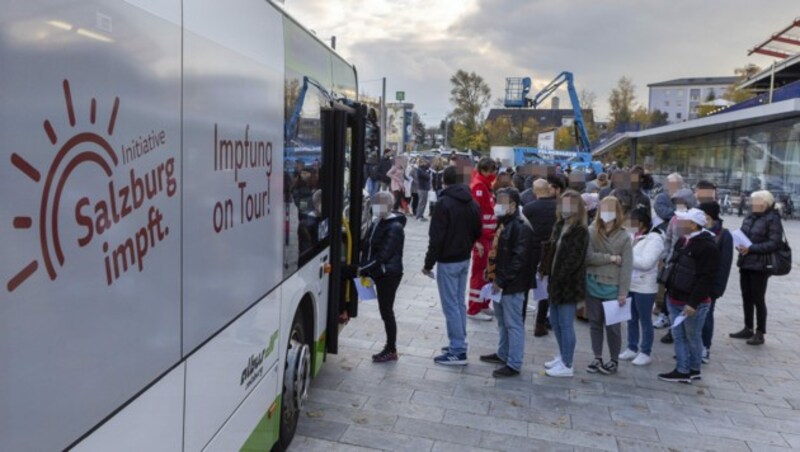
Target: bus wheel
296	379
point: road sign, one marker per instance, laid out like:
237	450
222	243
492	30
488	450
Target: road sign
400	96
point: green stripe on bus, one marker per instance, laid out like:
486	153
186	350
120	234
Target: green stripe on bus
267	431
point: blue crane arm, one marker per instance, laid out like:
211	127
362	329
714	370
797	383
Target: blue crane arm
290	131
584	145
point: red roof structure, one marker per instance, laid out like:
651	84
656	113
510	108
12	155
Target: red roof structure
782	44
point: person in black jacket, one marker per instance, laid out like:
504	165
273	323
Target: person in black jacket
724	242
384	166
510	271
541	214
567	285
764	228
454	229
689	286
382	260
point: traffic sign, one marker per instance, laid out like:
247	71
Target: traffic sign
400	96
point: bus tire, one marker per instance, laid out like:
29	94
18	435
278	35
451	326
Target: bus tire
296	380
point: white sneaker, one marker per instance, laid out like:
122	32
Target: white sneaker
706	356
661	322
480	316
553	363
641	360
488	311
627	355
560	371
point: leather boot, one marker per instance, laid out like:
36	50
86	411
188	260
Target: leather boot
745	333
757	339
540	330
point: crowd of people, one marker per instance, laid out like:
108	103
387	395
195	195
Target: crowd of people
501	240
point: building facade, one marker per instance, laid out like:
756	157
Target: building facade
680	98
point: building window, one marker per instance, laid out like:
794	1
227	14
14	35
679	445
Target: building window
679	115
694	95
667	92
666	103
680	93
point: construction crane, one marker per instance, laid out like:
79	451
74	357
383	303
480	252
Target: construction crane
517	90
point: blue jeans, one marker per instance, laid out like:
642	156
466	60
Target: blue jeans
688	337
372	186
708	327
562	320
512	331
641	315
451	278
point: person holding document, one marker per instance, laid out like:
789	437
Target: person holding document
764	232
510	270
690	284
648	246
609	263
382	260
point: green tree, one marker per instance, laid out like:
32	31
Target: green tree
529	133
736	95
622	102
470	95
500	132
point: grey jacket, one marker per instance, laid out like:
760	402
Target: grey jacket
598	259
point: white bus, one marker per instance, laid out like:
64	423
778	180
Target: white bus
180	194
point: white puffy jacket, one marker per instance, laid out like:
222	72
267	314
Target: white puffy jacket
647	250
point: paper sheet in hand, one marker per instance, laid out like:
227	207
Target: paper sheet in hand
616	313
366	289
678	320
739	239
540	292
486	293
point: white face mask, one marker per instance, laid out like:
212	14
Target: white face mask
608	217
500	210
380	210
680	208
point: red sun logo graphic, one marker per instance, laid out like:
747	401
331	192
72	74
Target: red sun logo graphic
71	154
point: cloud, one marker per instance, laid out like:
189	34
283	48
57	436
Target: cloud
419	44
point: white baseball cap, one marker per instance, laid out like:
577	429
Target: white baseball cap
694	215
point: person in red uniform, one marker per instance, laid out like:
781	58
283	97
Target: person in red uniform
481	187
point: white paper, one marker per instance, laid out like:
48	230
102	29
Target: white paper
739	239
486	293
540	292
366	289
678	320
616	313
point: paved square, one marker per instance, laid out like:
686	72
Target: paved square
749	398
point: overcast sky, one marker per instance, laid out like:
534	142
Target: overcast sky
419	44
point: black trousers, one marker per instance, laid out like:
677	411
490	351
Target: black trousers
387	290
754	290
541	311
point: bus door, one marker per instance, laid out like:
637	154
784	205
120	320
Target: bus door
343	145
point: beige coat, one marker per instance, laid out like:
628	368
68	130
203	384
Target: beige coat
598	259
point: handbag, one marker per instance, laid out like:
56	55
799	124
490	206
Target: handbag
548	252
779	262
664	273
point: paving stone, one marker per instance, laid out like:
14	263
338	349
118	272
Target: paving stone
513	443
620	429
442	446
450	402
530	415
321	429
793	439
346	415
596	440
497	425
406	409
656	420
307	444
438	432
680	440
367	437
